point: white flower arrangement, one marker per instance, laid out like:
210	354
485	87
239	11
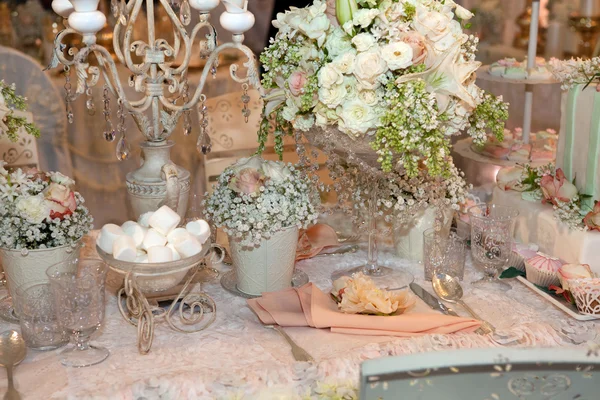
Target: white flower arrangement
255	198
398	73
576	72
39	210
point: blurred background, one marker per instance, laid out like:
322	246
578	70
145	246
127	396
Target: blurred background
28	27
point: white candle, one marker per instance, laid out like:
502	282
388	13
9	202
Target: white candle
589	8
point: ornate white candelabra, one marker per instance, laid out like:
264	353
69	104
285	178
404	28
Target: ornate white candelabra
162	86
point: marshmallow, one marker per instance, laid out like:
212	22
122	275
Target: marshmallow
142	258
200	229
176	256
153	238
124	248
176	233
164	220
107	237
136	231
187	246
159	254
144	218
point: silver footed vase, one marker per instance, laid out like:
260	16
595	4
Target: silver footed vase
158	181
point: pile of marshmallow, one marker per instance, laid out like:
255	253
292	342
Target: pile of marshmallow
154	238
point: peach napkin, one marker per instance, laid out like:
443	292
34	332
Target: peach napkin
313	240
309	306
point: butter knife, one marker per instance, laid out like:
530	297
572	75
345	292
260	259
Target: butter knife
436	304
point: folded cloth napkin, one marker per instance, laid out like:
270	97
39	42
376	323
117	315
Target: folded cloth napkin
313	240
309	306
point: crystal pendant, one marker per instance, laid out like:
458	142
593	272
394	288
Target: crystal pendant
69	113
187	123
204	145
175	5
123	149
91	108
114	7
109	133
185	14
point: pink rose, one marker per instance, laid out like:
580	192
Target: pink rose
247	181
297	81
575	271
557	188
592	219
37	174
61	200
417	42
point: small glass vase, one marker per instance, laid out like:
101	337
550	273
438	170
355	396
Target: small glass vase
77	288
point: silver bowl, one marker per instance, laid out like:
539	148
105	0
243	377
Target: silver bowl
155	277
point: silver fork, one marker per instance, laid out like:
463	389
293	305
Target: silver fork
298	352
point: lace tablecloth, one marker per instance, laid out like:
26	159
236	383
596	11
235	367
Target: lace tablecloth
238	358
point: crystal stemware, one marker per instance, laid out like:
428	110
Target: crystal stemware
384	277
492	229
77	288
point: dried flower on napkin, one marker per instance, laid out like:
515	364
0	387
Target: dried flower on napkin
359	295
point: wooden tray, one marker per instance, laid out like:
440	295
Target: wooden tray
559	303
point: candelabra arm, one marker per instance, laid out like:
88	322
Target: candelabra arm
117	35
137	45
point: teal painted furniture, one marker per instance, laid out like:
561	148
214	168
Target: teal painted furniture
485	374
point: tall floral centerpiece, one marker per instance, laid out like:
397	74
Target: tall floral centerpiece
42	222
261	205
380	84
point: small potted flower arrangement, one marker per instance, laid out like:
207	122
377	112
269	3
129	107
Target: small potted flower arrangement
42	222
261	205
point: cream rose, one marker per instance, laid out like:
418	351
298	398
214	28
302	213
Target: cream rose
357	117
397	55
368	67
369	97
33	208
276	171
417	42
364	41
329	76
431	24
332	96
344	63
61	195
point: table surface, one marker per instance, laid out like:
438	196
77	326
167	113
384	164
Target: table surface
237	356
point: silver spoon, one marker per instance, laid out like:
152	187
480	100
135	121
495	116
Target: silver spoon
298	352
12	352
449	289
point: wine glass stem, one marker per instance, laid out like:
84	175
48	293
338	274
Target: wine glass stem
81	341
372	252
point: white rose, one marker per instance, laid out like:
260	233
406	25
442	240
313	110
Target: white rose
357	117
397	55
316	28
304	122
463	13
364	16
344	63
338	42
332	96
254	162
350	84
277	171
325	116
364	41
34	208
368	67
329	76
369	97
433	25
61	179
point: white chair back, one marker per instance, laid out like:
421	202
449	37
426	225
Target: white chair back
47	107
533	374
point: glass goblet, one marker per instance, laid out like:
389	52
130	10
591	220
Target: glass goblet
77	287
492	229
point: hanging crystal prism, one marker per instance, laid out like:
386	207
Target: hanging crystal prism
89	103
245	100
204	144
123	149
187	123
185	13
109	133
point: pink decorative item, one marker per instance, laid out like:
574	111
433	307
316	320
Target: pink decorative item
520	253
587	295
573	271
542	269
